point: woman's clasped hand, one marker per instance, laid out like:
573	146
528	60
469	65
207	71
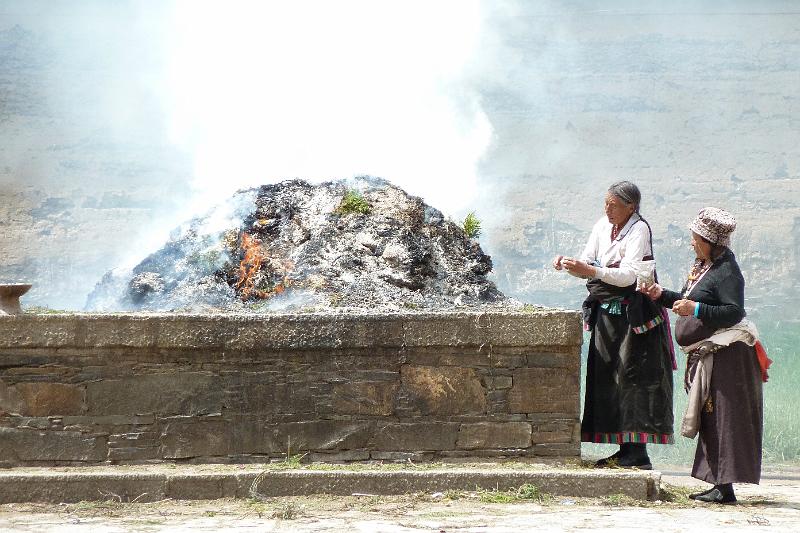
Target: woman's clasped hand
681	307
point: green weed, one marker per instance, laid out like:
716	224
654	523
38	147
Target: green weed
496	496
620	500
452	494
41	310
472	226
353	203
525	493
674	494
529	491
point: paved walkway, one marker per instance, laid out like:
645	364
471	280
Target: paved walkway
772	506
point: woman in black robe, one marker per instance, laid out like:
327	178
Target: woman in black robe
628	396
729	412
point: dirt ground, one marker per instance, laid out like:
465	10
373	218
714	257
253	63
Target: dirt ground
772	506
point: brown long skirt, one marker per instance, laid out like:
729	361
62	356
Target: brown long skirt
729	444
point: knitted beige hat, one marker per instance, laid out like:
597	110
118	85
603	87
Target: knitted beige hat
715	225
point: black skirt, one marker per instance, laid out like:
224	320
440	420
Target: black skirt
628	383
729	443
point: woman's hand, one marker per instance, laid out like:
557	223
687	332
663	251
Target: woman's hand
557	262
578	267
684	307
653	291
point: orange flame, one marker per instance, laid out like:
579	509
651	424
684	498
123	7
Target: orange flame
254	258
251	263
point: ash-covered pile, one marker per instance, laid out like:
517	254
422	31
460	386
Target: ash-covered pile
293	246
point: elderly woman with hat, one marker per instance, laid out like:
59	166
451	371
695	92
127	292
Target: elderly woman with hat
628	396
725	362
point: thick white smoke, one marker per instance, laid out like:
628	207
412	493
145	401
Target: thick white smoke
263	91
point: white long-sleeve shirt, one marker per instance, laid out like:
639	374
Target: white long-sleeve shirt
632	244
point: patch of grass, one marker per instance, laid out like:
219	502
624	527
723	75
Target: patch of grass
294	461
620	500
452	494
525	493
109	507
353	203
529	491
258	507
674	494
41	310
279	509
472	226
781	394
579	464
370	502
288	511
496	496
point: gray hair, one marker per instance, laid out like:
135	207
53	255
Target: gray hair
628	192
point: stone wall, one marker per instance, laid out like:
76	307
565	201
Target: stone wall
78	389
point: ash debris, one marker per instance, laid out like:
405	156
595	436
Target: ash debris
361	244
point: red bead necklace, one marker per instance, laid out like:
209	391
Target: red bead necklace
698	269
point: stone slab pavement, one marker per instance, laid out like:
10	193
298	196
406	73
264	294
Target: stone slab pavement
150	483
772	506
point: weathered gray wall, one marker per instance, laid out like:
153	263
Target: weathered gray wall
137	388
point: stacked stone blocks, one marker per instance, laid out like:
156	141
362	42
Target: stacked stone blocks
78	389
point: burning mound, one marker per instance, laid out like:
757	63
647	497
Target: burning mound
294	246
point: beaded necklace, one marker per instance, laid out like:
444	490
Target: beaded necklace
616	229
699	268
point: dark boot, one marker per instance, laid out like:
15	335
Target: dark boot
611	460
634	455
630	455
719	494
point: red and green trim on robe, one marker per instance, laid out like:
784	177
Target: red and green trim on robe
628	436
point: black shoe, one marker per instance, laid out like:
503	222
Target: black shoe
642	462
697	494
610	461
717	496
623	460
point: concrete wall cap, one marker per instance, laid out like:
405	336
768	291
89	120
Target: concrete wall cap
545	327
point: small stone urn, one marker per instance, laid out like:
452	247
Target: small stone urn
9	297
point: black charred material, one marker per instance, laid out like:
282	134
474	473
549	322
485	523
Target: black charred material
145	285
400	254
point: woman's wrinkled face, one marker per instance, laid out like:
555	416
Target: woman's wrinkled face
702	249
617	211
